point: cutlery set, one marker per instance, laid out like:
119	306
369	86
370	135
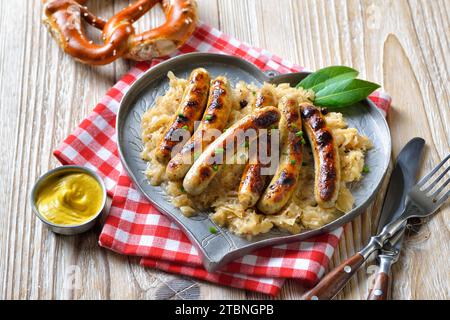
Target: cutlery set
404	200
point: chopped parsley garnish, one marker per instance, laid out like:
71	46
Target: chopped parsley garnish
304	163
293	161
181	115
215	167
182	189
299	133
185	127
303	141
208	117
366	169
212	230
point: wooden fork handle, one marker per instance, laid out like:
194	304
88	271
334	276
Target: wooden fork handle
381	284
335	280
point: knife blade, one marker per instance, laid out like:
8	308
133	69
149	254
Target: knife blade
402	179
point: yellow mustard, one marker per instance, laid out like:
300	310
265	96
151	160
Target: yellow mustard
70	199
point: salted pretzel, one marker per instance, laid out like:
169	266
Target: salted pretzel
64	20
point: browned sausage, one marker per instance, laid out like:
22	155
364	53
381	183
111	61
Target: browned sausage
253	182
215	118
206	166
190	110
326	156
265	97
252	185
285	180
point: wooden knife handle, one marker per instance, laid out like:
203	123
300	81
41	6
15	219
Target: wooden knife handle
335	280
380	288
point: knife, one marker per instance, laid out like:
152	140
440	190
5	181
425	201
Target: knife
402	178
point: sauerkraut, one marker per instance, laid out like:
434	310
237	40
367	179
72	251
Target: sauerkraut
301	212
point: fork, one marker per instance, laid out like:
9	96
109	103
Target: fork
421	202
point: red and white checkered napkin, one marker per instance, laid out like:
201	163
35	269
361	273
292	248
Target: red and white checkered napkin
135	227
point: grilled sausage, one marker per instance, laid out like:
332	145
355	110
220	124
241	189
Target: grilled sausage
252	185
207	165
190	110
215	118
253	182
326	156
265	97
285	180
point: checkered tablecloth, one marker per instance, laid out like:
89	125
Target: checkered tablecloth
135	227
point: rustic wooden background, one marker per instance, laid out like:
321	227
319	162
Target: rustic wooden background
44	94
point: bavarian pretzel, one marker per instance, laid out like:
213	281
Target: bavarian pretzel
64	20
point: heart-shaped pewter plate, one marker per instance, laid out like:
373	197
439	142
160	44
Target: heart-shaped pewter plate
223	246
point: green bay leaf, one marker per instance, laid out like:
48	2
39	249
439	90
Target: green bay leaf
317	80
344	92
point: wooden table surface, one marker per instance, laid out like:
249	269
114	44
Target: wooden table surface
44	94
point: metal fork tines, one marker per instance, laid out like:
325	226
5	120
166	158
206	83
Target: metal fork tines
430	193
424	199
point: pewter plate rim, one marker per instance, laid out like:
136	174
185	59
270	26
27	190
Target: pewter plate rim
269	76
